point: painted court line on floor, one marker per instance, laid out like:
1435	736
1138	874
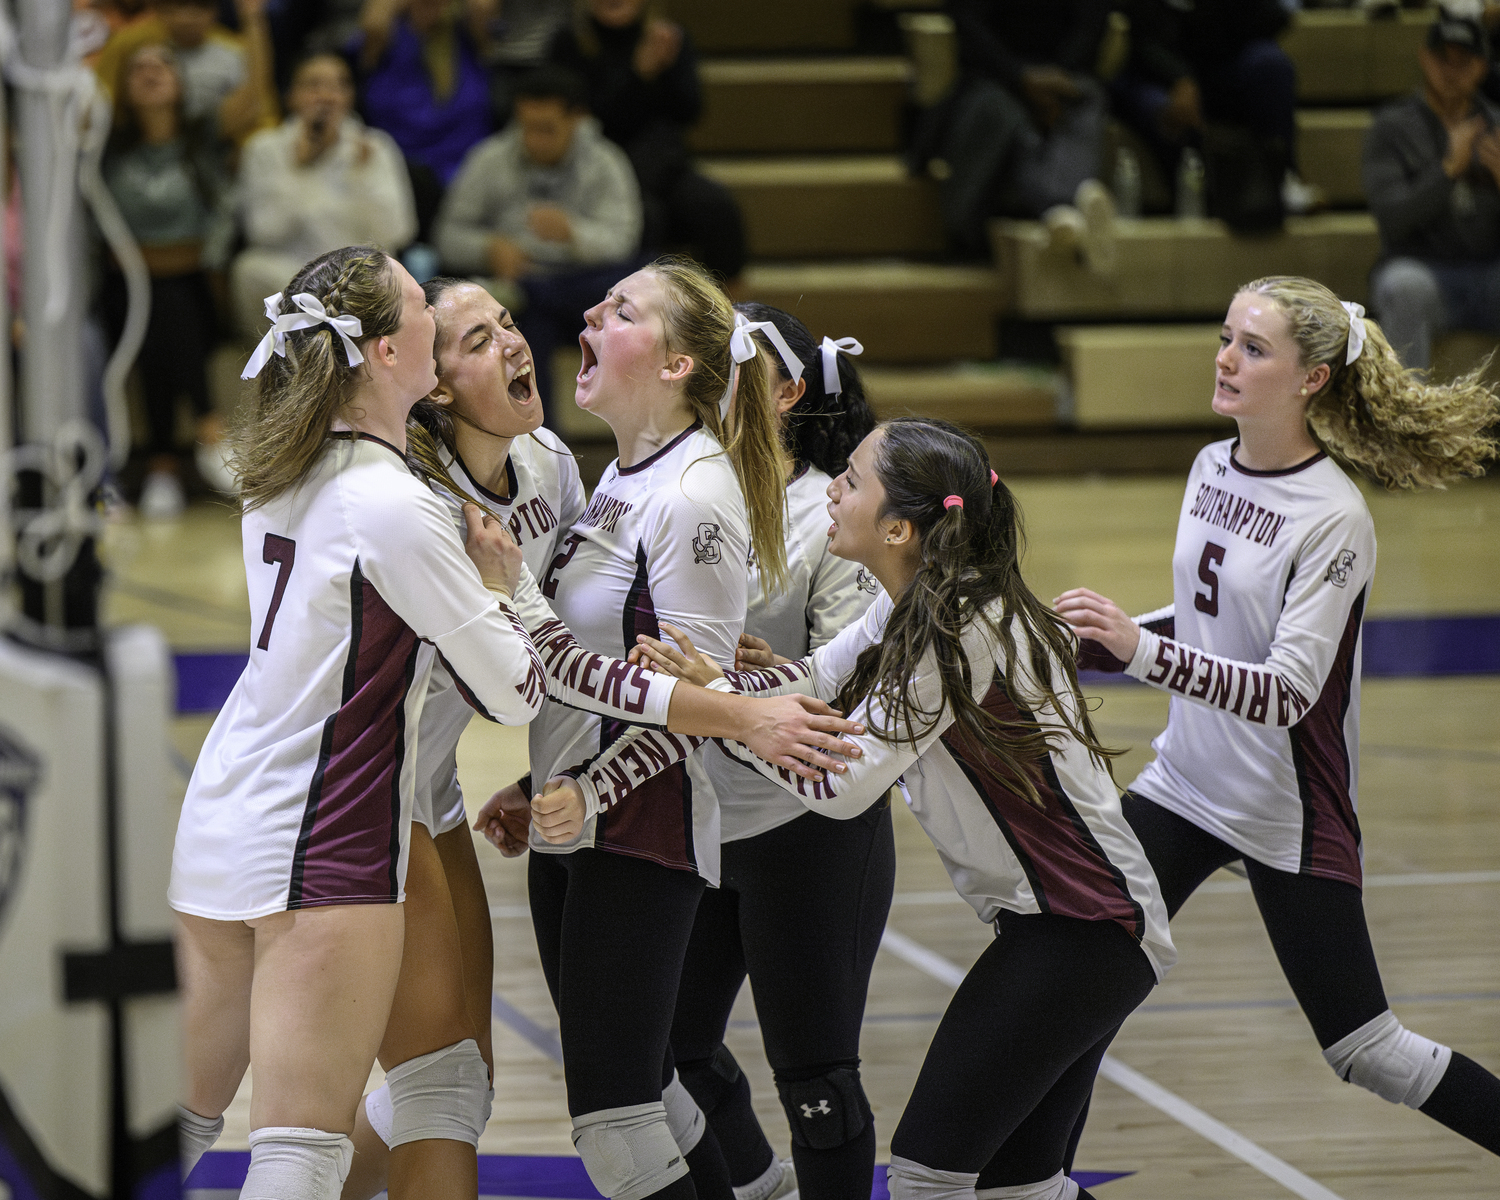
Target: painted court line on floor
950	973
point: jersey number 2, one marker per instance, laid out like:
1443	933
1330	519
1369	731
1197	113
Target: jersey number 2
1212	555
549	580
284	552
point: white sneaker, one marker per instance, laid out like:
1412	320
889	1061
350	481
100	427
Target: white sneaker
787	1188
1065	229
1093	200
1300	198
212	461
161	497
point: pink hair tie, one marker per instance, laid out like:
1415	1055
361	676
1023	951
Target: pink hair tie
994	479
953	501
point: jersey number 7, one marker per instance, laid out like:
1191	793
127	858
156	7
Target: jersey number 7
283	551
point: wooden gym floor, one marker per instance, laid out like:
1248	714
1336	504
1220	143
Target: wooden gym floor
1225	1094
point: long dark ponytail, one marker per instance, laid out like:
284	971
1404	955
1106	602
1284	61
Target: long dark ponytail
822	429
970	565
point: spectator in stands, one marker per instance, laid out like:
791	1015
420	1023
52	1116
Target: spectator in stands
1432	173
318	181
224	76
167	174
1198	61
642	77
423	78
548	209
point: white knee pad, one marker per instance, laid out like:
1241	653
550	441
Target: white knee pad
380	1114
296	1164
628	1152
439	1096
195	1137
1390	1060
684	1118
1059	1187
912	1181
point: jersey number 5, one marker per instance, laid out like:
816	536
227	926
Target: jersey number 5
284	552
1212	555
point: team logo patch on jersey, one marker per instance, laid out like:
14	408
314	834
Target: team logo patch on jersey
19	773
1340	568
708	546
865	582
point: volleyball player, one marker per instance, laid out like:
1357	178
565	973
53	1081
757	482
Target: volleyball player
1260	652
476	440
666	537
965	681
802	898
292	845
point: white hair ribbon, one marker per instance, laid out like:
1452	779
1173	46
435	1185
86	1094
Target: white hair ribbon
1356	330
831	384
310	312
742	349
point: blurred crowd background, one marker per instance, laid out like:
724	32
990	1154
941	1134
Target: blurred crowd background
979	190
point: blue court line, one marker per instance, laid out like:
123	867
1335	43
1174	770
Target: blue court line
1394	647
546	1176
540	1036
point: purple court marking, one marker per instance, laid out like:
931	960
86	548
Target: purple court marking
14	1176
549	1177
1394	647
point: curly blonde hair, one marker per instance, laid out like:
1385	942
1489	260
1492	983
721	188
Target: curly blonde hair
1374	415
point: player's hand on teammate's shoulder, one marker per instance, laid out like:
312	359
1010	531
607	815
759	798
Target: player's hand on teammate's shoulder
492	550
559	812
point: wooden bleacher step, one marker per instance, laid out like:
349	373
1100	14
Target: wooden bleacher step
901	312
1330	147
975	395
857	206
1344	56
1138	375
800	105
768	25
1180	268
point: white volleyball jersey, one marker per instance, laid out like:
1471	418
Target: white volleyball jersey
545	498
1269	582
824	596
302	794
1076	856
666	540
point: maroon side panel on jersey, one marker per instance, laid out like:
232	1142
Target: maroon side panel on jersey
350	844
1069	872
655	821
1330	828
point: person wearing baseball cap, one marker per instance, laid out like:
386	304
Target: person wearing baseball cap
1432	176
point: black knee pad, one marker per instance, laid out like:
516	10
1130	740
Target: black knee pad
712	1080
827	1111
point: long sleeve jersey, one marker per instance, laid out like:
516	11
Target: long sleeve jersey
825	594
1270	579
302	795
665	540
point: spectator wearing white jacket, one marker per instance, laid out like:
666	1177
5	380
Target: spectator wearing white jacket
548	211
319	181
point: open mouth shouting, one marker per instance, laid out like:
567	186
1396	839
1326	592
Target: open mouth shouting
590	362
522	386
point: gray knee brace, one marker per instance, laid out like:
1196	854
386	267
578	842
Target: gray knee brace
628	1152
912	1181
1059	1187
444	1096
195	1136
684	1118
828	1111
1390	1060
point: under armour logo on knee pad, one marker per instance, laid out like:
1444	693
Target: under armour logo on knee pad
809	1111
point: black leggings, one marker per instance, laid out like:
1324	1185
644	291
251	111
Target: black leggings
1012	1064
611	931
801	910
1317	928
